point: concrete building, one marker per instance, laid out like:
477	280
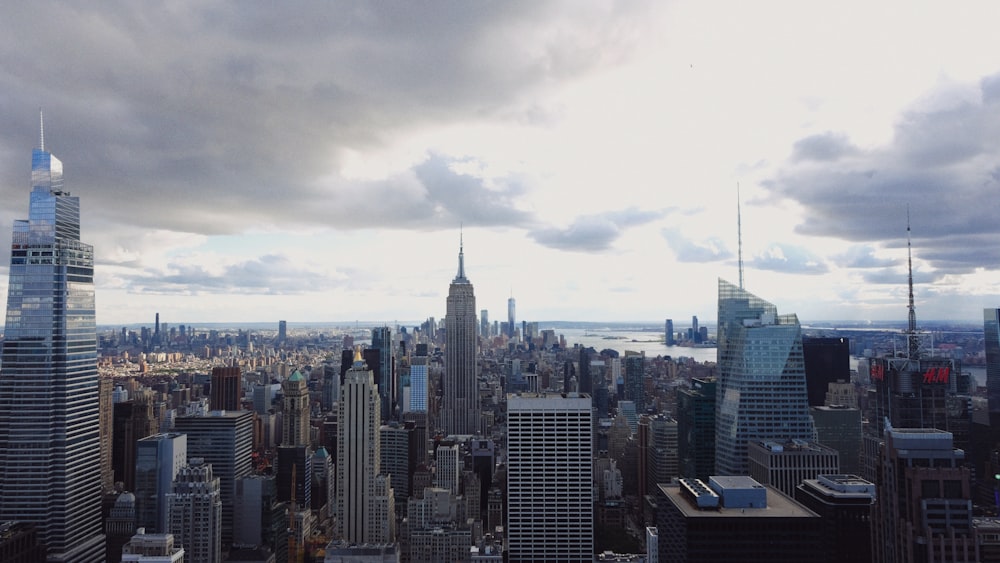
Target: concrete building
365	504
460	404
923	511
223	439
783	465
550	508
195	508
227	388
152	548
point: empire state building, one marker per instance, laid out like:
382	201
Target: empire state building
49	439
460	407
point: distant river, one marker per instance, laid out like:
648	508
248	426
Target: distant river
636	340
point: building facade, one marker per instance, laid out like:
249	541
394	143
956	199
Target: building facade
784	465
696	429
460	406
195	508
761	392
158	460
50	450
360	491
550	485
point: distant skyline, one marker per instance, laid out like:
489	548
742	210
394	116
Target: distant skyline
240	162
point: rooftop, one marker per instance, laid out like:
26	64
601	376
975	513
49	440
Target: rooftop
778	506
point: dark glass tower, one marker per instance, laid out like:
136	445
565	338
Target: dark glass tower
50	465
991	331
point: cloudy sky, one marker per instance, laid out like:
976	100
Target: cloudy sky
314	161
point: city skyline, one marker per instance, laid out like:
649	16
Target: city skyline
230	157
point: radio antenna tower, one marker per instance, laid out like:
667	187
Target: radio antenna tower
739	232
912	339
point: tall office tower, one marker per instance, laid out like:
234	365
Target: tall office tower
661	453
106	393
331	387
844	502
156	332
227	389
460	407
923	508
394	441
263	395
839	427
511	326
418	383
783	465
569	378
259	518
50	452
761	393
382	341
359	491
282	331
195	511
223	439
158	460
484	323
991	331
132	421
586	380
635	368
550	514
668	333
295	411
695	332
448	468
827	360
696	429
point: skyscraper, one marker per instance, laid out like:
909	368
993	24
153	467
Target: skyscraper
550	513
460	408
382	341
50	452
224	439
761	393
295	406
195	508
668	332
227	389
635	368
360	491
991	331
510	318
158	460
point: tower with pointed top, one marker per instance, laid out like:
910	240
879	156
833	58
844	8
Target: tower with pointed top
761	391
460	407
50	454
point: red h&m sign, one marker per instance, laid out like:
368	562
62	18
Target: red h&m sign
878	372
937	375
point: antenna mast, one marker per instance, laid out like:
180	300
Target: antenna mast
41	129
739	231
913	341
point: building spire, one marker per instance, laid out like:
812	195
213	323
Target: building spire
913	341
739	232
461	257
41	129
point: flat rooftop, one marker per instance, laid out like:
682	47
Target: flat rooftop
778	506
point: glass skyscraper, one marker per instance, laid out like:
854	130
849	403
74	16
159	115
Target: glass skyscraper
991	332
50	470
761	393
